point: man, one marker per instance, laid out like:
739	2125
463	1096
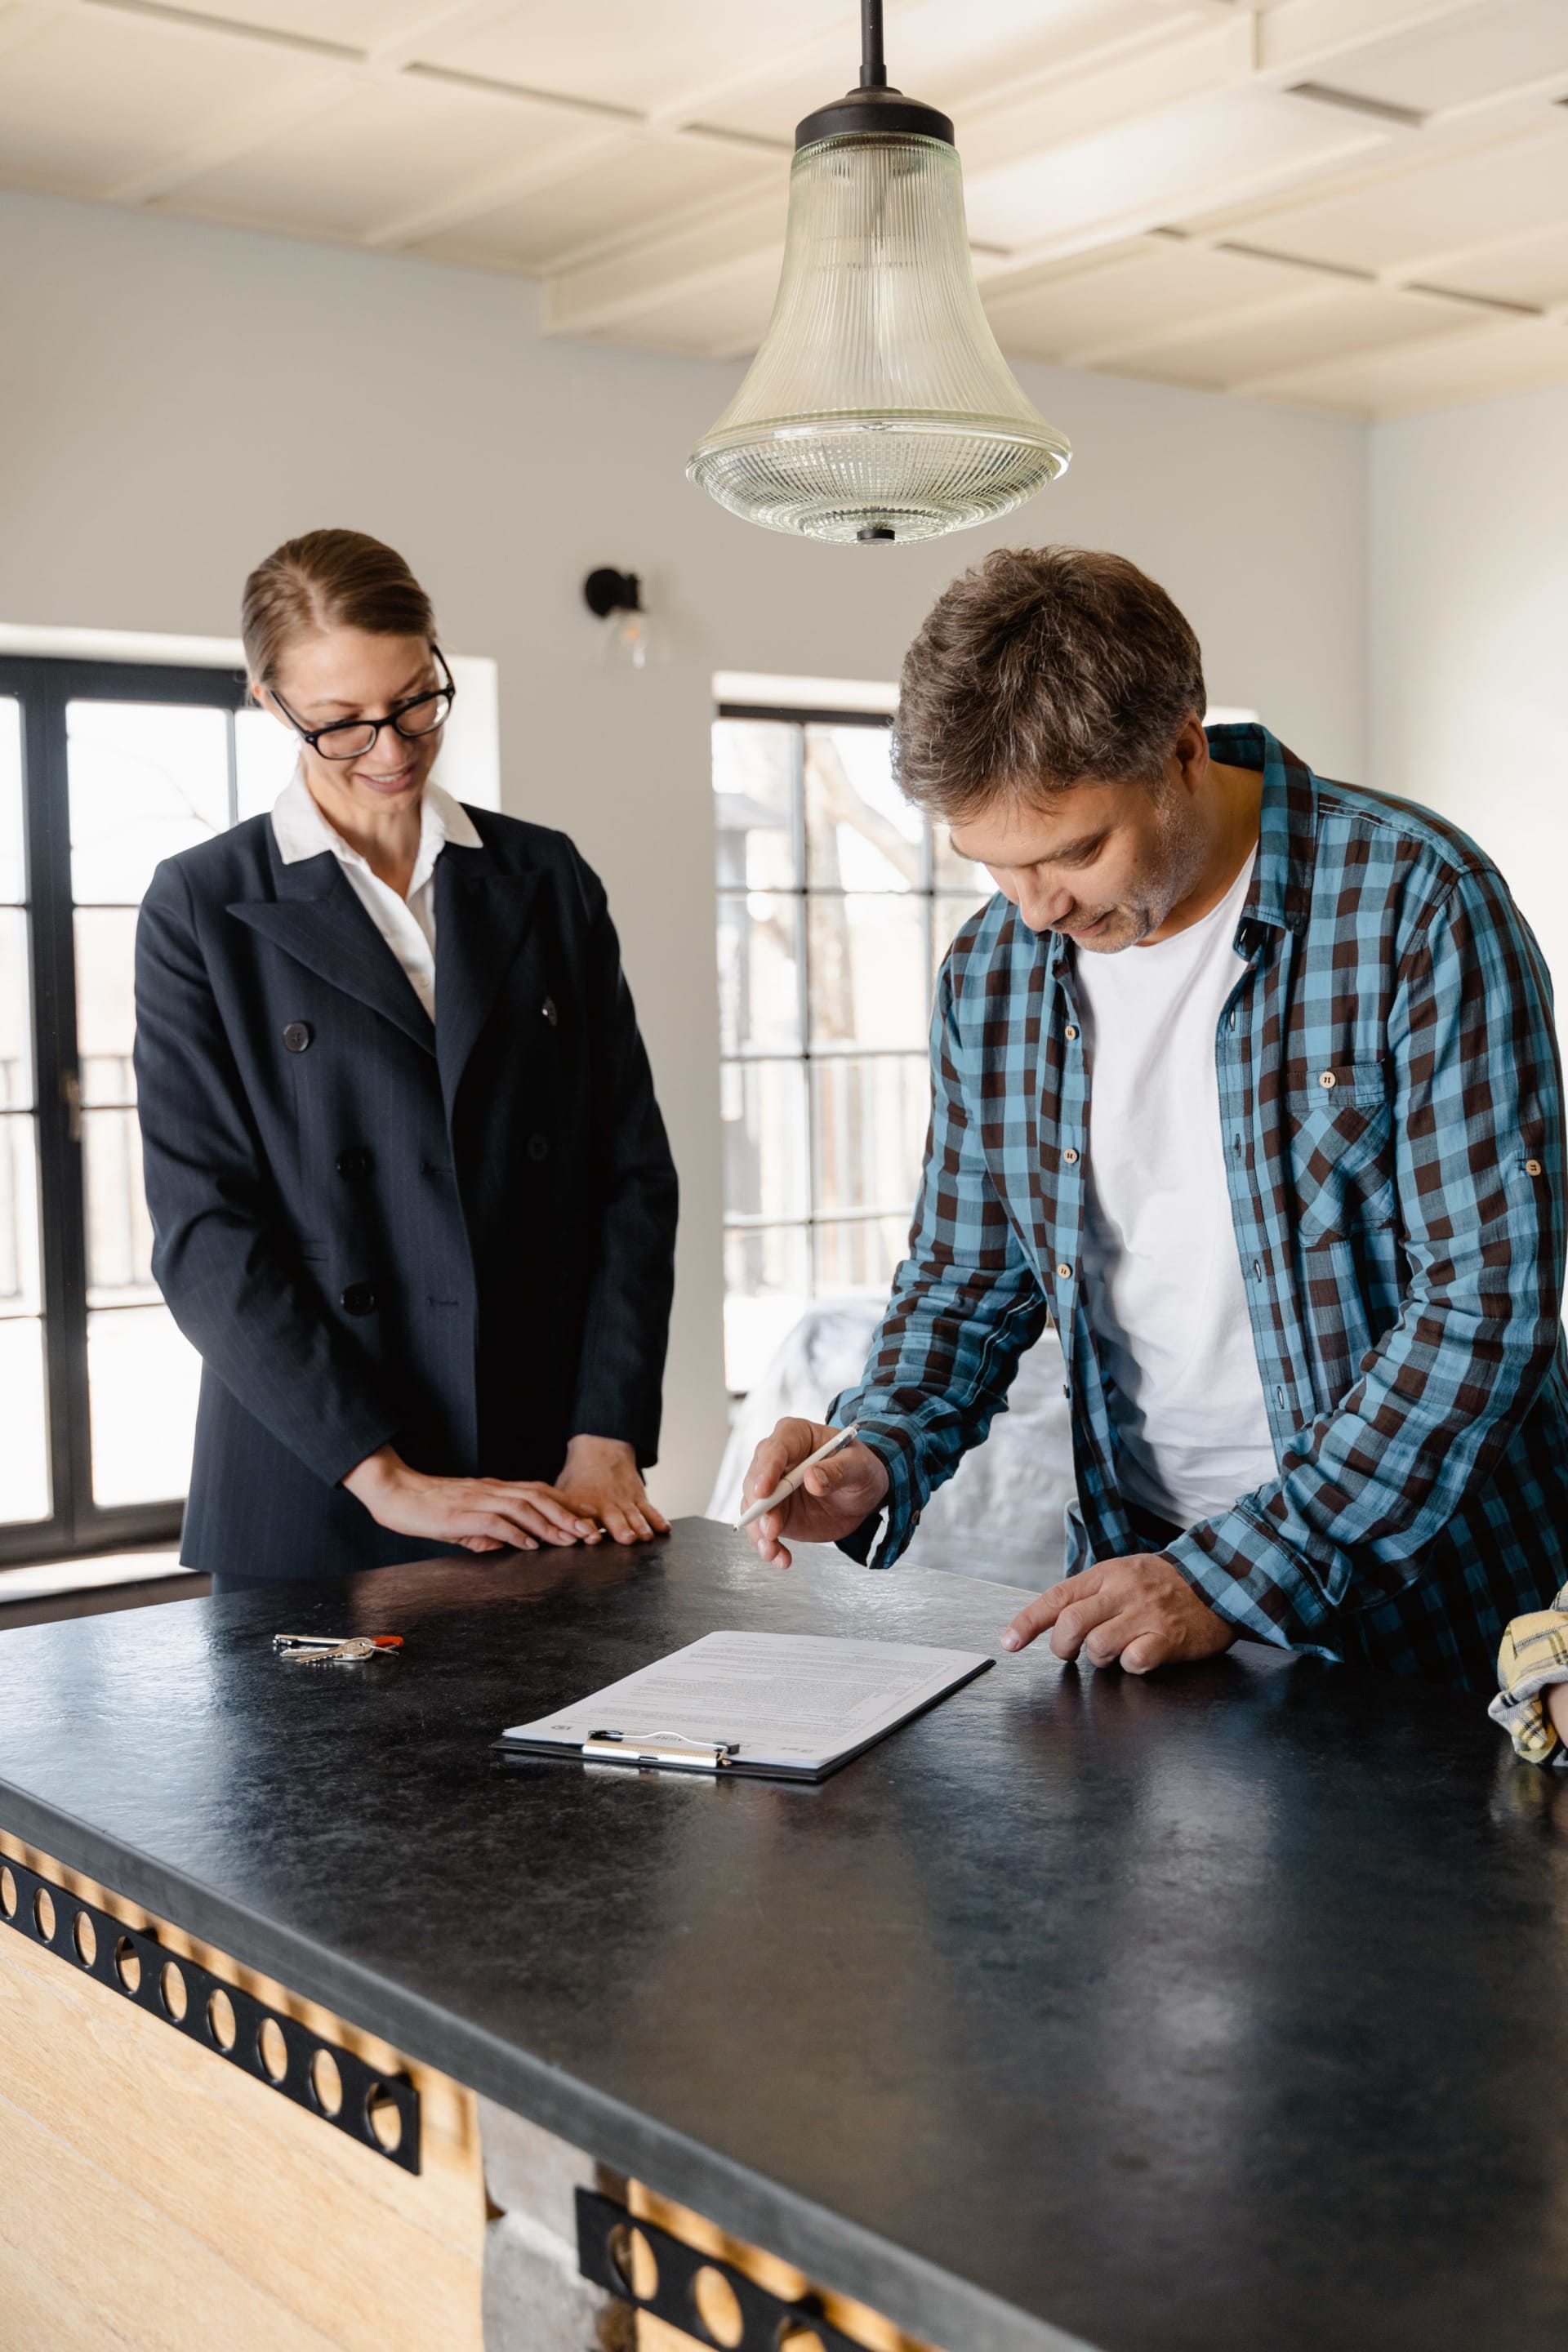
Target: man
1249	1080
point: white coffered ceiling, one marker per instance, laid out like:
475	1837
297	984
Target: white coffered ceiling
1353	204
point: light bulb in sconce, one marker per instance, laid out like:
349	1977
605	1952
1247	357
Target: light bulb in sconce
632	639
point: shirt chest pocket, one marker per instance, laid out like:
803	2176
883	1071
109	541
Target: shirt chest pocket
1339	1149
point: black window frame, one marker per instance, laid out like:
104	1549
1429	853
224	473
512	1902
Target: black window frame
801	892
45	686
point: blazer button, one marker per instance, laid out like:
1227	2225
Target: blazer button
297	1037
548	1009
354	1162
539	1147
359	1298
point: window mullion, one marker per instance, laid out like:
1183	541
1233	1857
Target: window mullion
63	1240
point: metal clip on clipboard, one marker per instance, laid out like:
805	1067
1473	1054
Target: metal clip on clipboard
668	1751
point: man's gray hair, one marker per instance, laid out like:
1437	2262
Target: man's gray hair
1042	667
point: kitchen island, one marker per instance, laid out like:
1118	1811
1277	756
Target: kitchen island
1221	2010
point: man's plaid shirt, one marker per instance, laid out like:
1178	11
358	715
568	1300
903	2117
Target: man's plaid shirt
1391	1101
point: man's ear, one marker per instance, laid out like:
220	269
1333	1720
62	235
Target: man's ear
1189	760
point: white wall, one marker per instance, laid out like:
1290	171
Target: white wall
1469	634
175	399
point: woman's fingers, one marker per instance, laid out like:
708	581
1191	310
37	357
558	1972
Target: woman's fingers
484	1531
554	1510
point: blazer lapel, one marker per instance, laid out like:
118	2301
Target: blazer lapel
316	918
482	916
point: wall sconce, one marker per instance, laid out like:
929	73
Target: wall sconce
615	599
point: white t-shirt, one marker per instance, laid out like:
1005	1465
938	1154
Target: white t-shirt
1162	1281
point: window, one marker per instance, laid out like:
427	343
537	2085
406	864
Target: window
106	767
837	903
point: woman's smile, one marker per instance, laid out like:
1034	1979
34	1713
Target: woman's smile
397	781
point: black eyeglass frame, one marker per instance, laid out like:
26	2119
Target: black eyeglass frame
312	735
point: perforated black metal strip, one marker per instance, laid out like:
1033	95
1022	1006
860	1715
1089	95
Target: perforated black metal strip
380	2111
769	2324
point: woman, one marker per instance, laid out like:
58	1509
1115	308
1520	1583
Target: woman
411	1193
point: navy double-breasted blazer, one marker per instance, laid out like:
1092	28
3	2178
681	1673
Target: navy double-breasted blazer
458	1236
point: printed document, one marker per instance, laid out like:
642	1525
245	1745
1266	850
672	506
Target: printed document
785	1702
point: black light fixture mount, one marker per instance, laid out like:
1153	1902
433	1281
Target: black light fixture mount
607	591
873	106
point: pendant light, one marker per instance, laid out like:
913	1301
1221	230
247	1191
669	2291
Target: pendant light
878	406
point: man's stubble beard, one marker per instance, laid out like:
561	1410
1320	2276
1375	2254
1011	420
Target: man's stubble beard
1168	875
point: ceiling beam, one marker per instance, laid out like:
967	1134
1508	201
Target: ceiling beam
1279	383
746	241
1298	35
690	116
24	24
234	135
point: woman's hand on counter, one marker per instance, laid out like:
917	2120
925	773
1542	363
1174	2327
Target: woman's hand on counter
836	1497
479	1514
600	1477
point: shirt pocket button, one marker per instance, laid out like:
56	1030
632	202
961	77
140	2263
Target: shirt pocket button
297	1037
359	1298
354	1163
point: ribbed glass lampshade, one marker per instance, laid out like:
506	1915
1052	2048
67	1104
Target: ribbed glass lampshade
878	405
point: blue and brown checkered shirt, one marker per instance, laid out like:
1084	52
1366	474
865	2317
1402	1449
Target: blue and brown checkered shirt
1391	1100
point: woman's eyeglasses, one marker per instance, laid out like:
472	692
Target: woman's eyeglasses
350	739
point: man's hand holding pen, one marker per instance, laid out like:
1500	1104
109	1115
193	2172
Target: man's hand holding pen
832	1500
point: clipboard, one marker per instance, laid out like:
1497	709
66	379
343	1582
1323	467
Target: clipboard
750	1705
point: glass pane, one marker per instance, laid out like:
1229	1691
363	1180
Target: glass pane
18	1222
119	1230
24	1458
754	803
951	872
763	1105
16	1012
860	1255
759	979
948	916
143	1378
266	754
106	1003
766	1285
146	780
13	877
860	831
869	986
868	1129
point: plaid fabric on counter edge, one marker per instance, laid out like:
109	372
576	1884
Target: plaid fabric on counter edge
1534	1656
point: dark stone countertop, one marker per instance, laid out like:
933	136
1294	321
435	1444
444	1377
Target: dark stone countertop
1220	2010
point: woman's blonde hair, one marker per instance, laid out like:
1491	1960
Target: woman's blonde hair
329	580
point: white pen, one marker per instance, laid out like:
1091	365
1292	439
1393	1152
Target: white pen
793	1478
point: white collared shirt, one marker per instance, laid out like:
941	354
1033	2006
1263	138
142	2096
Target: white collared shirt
408	926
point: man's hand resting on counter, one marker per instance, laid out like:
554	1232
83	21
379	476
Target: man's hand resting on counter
601	1477
481	1514
836	1495
1140	1611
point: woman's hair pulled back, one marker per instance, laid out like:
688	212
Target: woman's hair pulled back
329	580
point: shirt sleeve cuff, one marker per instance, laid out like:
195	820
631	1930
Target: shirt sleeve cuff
899	1514
1254	1582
